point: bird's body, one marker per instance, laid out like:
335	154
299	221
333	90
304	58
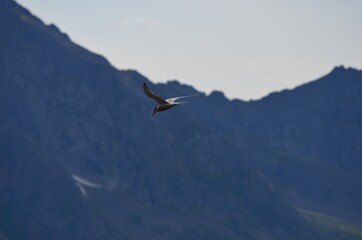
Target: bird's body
163	104
163	107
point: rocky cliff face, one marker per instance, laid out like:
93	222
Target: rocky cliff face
82	158
319	121
318	125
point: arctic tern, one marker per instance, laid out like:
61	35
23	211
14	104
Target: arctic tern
163	104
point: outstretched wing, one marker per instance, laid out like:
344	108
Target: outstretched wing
173	100
152	95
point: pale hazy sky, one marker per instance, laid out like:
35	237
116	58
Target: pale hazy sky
245	48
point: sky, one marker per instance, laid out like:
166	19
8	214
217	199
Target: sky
245	48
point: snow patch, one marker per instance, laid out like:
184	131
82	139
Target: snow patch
81	183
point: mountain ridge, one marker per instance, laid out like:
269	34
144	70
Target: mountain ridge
191	173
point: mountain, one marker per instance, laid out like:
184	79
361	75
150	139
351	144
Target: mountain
328	112
318	124
82	158
307	140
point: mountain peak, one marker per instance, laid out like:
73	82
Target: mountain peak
217	95
342	69
211	168
339	68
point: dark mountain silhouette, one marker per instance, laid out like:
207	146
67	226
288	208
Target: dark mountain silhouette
82	158
319	125
306	140
331	110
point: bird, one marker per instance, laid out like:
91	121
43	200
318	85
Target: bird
163	104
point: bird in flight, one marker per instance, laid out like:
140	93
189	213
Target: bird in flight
163	104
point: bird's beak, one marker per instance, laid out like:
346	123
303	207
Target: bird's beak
153	113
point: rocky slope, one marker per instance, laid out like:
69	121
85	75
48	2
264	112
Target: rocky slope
82	158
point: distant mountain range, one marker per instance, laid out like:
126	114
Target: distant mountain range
82	158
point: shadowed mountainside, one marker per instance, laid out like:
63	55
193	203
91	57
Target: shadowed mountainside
82	158
319	125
